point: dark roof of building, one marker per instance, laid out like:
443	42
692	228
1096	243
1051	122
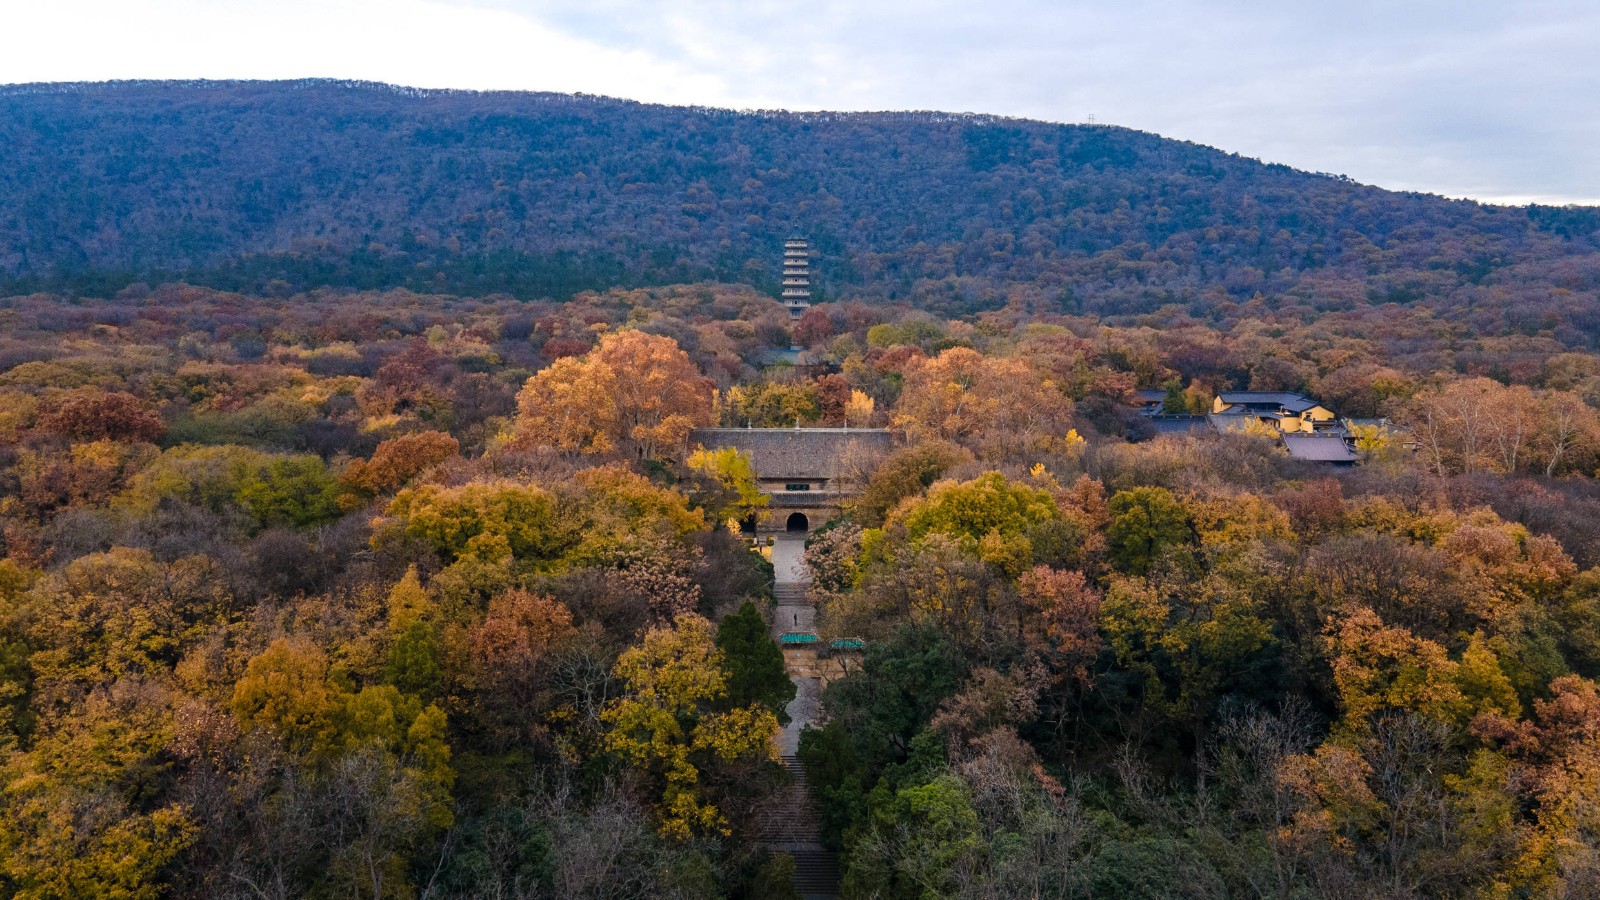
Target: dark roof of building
797	454
1176	424
1236	419
1318	448
1278	399
1151	395
776	357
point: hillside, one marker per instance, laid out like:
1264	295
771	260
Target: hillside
406	568
269	186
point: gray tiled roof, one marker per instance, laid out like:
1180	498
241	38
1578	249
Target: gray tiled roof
1318	448
1286	399
795	454
1176	424
1232	420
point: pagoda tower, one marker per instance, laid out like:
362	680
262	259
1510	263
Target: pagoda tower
796	276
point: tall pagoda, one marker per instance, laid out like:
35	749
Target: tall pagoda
796	276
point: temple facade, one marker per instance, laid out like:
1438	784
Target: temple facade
807	472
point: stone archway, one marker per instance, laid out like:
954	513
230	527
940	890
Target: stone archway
797	524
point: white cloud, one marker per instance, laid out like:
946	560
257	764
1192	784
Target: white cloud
419	43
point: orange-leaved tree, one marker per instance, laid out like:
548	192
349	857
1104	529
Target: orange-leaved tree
394	463
635	391
1001	408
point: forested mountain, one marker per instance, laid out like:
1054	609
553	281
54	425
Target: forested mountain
274	186
349	549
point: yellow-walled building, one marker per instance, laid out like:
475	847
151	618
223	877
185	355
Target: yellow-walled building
1284	411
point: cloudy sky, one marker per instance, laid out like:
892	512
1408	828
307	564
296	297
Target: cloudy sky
1497	100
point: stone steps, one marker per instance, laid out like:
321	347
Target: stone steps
816	874
790	824
790	610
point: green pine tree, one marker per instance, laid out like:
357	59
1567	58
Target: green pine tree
754	662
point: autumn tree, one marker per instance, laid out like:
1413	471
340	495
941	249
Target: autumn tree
775	404
1379	667
285	689
1399	810
859	409
378	755
1187	640
511	660
1477	424
415	660
297	491
294	490
1004	523
87	474
1146	522
1062	611
396	461
94	415
833	557
122	613
1567	435
80	815
482	522
906	472
833	399
672	722
570	406
1001	408
814	327
730	471
635	391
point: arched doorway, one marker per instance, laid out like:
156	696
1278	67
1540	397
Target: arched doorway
797	523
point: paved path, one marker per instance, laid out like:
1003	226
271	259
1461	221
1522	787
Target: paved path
791	612
791	825
803	710
788	559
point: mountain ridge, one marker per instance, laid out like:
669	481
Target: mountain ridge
320	182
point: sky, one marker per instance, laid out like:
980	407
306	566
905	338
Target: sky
1497	101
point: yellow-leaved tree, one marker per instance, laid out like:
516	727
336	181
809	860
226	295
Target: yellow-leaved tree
741	495
671	724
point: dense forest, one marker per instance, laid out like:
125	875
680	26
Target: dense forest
353	542
406	594
276	188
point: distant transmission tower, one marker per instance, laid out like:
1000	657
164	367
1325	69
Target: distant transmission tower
1091	118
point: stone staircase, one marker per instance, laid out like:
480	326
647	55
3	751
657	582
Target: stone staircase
791	613
790	825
